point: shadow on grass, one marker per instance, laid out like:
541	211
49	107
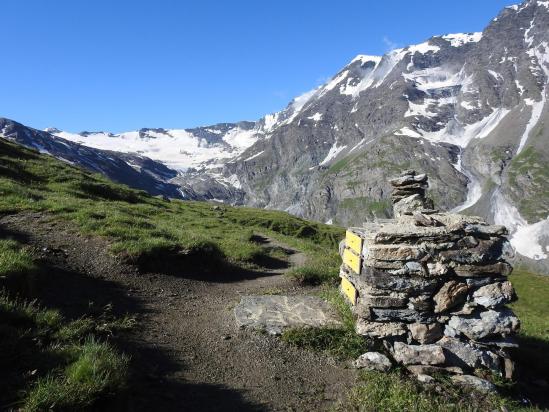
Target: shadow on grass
75	295
532	358
207	265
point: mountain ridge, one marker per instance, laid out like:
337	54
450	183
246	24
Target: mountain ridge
467	108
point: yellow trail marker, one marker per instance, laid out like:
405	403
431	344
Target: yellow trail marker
353	242
349	290
352	260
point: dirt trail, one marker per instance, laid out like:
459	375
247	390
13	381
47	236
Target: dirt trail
187	353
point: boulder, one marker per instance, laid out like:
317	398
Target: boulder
384	280
409	204
387	301
496	269
373	361
437	269
425	379
420	303
421	219
418	354
486	323
485	230
451	294
473	382
494	294
426	332
393	252
410	268
467	354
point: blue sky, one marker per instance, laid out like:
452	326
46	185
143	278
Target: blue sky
121	65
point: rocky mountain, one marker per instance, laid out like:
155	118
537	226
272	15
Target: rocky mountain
468	109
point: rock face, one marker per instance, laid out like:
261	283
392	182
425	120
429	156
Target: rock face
276	313
431	286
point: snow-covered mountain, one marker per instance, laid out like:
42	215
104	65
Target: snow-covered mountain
468	109
178	149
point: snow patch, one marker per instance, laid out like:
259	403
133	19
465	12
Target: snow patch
423	48
495	75
468	105
316	117
233	181
536	107
254	156
334	151
459	39
474	188
178	149
406	131
526	238
461	135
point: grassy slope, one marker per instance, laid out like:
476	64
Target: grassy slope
70	364
46	360
144	227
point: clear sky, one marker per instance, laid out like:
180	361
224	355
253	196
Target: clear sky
118	65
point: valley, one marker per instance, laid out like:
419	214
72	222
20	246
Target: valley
467	108
255	265
153	283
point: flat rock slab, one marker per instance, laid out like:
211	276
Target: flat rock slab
274	313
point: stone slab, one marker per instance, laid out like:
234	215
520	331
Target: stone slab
274	313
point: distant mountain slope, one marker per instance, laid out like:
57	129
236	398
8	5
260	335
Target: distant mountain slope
469	109
134	170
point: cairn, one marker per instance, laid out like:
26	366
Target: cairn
431	287
409	194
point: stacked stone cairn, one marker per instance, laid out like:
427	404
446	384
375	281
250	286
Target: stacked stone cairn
430	288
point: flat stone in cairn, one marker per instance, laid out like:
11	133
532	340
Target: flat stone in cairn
274	313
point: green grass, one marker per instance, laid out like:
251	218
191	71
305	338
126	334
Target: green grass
532	306
143	228
375	208
14	260
393	391
47	361
95	369
321	268
533	168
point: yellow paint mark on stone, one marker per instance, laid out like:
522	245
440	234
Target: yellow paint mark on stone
349	290
353	242
352	260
